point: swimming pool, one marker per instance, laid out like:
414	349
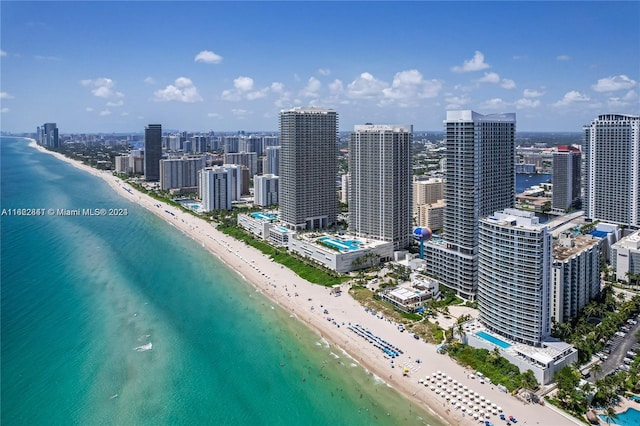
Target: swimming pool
264	216
346	245
631	417
489	338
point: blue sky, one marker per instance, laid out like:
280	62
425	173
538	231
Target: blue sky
226	66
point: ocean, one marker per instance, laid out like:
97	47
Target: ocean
124	320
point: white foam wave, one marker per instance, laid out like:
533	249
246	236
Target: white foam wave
144	348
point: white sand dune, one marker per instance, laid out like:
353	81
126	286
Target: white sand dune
281	285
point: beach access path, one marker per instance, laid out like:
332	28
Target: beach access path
307	302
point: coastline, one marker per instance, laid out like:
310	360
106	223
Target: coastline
298	297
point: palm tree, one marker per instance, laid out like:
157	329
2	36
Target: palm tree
610	414
595	369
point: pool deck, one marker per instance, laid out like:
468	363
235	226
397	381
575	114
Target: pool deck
623	405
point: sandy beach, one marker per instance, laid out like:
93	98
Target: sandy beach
308	302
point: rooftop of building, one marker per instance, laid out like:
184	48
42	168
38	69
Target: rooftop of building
631	242
570	244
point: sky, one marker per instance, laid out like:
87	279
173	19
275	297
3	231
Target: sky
228	66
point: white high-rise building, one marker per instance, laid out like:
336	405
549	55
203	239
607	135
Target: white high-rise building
265	190
248	159
612	188
308	168
380	183
214	188
514	276
180	172
273	160
345	180
575	274
480	180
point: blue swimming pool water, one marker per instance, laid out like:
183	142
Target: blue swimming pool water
346	245
631	417
494	340
264	216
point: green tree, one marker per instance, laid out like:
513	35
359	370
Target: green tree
610	415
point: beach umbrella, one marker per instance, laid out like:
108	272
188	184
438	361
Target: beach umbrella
494	406
432	388
420	381
464	408
475	416
465	388
447	397
437	391
439	372
500	409
482	398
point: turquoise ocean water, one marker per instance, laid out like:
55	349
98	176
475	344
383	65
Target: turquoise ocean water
124	320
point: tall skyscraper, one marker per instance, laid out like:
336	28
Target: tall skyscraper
308	168
273	160
612	188
566	177
47	135
214	188
380	185
514	276
480	180
265	190
152	152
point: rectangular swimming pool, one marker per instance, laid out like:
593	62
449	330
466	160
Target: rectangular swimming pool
489	338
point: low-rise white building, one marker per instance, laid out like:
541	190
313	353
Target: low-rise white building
625	256
409	297
341	253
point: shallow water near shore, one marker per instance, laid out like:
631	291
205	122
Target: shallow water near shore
125	320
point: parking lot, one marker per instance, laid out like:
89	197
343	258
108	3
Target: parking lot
617	348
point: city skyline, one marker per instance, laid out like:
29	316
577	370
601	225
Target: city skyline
226	66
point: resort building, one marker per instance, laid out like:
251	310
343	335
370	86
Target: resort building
341	253
264	225
410	297
575	274
152	152
122	164
625	256
545	360
265	190
380	183
215	188
566	177
612	151
179	173
308	168
514	276
480	179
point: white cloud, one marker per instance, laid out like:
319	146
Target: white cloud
490	77
563	57
88	109
277	87
214	115
102	88
611	84
208	57
324	71
507	83
105	113
495	103
240	113
336	87
258	94
150	80
456	102
5	95
410	86
476	63
243	83
531	93
183	90
525	103
572	97
46	58
124	114
3	53
115	104
312	89
4	109
365	86
617	102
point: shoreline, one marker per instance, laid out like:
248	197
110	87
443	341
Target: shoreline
307	302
